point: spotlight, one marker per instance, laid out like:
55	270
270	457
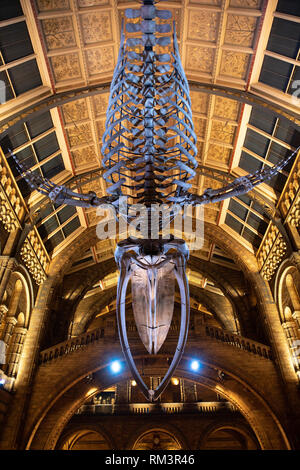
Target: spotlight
133	383
175	381
195	365
115	367
2	381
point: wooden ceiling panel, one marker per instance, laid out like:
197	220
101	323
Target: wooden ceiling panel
100	61
199	59
203	25
66	67
59	33
226	108
222	132
218	154
100	103
84	158
217	41
234	64
246	3
200	102
52	5
240	30
96	27
205	2
79	134
75	111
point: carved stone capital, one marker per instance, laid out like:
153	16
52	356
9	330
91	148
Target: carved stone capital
3	310
295	259
8	263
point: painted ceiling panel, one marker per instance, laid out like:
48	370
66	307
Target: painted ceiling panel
220	44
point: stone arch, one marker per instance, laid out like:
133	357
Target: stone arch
86	311
48	427
288	300
284	280
293	292
17	320
24	282
79	431
223	425
245	260
172	432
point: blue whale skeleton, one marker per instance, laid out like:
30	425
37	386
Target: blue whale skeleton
149	155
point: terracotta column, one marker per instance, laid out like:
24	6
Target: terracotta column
15	351
294	296
7	265
189	392
3	313
12	310
28	362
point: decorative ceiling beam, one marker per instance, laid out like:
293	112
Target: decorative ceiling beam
64	97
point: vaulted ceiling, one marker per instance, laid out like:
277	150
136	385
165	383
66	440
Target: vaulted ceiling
231	51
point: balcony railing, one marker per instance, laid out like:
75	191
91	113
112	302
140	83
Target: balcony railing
154	408
92	337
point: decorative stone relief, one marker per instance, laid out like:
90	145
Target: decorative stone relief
294	215
34	257
11	208
7	216
273	248
234	64
33	251
75	111
100	60
203	25
200	59
271	252
96	27
240	30
226	108
290	203
59	32
66	66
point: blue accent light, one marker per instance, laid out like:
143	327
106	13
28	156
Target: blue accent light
195	365
115	367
